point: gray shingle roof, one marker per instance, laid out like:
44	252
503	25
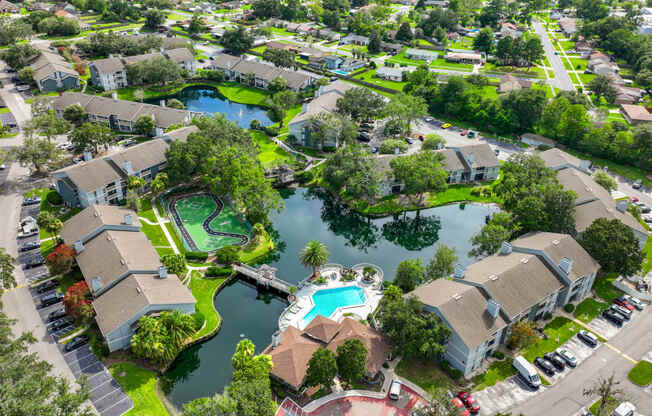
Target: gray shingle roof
108	65
554	158
91	175
179	55
94	217
141	156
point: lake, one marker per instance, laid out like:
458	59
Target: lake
312	214
209	100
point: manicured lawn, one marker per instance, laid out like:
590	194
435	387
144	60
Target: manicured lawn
270	153
146	210
164	251
532	72
140	386
401	59
497	372
248	254
370	76
69	279
203	290
608	409
47	207
456	193
175	237
46	247
579	64
428	375
641	374
604	288
288	117
586	78
647	251
589	309
242	94
443	64
155	234
627	171
559	330
176	16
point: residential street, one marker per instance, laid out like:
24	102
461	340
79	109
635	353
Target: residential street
565	397
562	79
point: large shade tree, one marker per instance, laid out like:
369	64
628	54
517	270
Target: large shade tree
614	245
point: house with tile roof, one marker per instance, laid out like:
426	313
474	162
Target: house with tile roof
529	278
123	271
292	349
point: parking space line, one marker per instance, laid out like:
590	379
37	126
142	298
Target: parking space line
100	385
627	357
118	402
98	374
74	351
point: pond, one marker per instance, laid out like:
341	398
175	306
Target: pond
312	214
209	100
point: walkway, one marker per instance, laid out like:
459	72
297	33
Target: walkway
161	223
562	79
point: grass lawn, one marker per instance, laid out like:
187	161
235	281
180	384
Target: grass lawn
69	279
242	94
401	59
604	288
175	237
176	16
443	64
647	251
567	44
589	309
627	171
497	372
46	247
155	235
270	153
579	64
47	207
428	375
559	330
140	386
146	210
370	76
203	290
608	409
164	251
292	112
532	72
641	374
248	254
586	78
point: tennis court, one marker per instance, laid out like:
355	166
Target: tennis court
206	223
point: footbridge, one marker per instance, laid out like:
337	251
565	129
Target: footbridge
264	276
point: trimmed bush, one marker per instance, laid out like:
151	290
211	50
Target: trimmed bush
54	198
387	147
196	255
199	320
215	271
498	355
227	255
305	176
569	308
452	372
271	131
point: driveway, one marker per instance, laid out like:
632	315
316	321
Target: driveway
562	79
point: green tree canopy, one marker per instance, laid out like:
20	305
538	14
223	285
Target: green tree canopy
351	360
409	274
322	368
315	254
91	137
360	104
420	173
614	245
144	125
237	40
7	278
442	264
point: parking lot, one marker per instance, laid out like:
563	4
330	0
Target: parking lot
606	329
106	395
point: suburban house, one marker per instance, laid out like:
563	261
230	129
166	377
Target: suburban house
333	61
238	68
392	73
392	48
104	180
53	73
120	114
593	201
123	271
8	7
627	95
292	349
509	83
529	278
568	25
511	30
354	39
325	100
463	57
420	54
635	114
474	163
537	140
328	34
111	73
349	65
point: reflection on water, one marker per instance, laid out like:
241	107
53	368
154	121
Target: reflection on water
351	238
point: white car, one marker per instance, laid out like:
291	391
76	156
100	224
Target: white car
637	303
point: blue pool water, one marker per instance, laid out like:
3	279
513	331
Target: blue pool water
339	71
328	300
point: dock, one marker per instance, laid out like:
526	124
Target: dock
264	276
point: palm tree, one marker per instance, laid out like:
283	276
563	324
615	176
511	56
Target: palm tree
179	325
314	254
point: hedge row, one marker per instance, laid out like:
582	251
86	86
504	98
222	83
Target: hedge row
196	255
215	271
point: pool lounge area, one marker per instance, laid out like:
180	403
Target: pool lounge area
337	297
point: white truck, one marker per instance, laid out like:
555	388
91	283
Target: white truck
527	371
624	409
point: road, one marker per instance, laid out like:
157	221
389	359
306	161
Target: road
565	397
562	79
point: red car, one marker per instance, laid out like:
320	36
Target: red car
461	410
463	132
623	302
633	199
469	401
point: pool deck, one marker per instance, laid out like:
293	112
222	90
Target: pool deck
293	315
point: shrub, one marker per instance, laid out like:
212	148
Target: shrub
569	308
498	355
196	255
215	271
54	198
481	191
227	255
255	125
452	372
305	176
388	146
348	277
547	316
199	320
320	280
271	131
543	147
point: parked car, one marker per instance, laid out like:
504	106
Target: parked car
470	134
32	200
26	221
463	132
76	342
30	233
445	125
635	302
621	301
626	313
365	127
588	338
633	199
56	314
565	355
30	245
59	323
638	183
527	372
395	390
364	136
624	409
469	401
374	149
613	317
557	361
461	409
51	299
408	140
49	285
545	366
421	138
34	263
129	142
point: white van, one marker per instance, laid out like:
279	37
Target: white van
624	409
395	390
527	371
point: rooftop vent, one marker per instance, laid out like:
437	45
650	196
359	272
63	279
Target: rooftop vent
524	260
566	265
457	296
162	272
493	277
96	284
123	262
78	246
555	242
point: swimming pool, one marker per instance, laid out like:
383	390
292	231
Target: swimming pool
327	301
339	71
